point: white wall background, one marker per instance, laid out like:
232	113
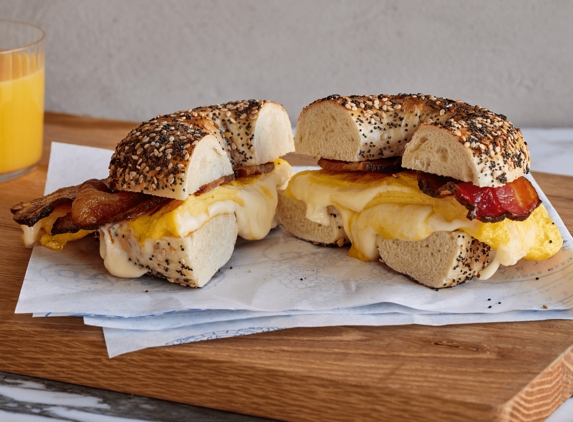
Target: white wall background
134	59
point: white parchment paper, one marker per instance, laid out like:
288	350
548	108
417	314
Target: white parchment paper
277	282
120	341
186	318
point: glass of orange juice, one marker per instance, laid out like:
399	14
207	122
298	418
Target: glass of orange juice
21	98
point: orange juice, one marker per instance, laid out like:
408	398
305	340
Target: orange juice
21	97
21	121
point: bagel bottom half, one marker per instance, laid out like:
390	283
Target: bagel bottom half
291	215
189	261
444	259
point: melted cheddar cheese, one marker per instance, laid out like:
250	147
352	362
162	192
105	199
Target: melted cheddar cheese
252	199
41	231
393	207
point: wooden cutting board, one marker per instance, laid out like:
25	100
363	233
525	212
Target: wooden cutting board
502	371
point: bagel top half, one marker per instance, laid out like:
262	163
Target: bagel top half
175	155
432	134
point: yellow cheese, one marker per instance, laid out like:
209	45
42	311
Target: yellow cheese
393	207
252	199
41	231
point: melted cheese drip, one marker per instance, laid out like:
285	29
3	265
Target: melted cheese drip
115	259
393	207
41	231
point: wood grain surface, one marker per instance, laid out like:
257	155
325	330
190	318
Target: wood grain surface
481	372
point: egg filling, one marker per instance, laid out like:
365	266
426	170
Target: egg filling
393	207
252	199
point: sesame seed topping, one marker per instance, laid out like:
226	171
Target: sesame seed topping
166	143
386	123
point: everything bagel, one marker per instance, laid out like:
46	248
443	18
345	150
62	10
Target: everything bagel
432	134
458	207
174	155
181	187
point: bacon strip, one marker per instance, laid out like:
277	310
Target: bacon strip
239	171
29	213
92	205
210	186
384	165
244	171
95	205
436	186
515	200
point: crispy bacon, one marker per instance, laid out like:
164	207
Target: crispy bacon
244	171
95	205
239	171
29	213
384	165
436	186
92	205
210	186
515	200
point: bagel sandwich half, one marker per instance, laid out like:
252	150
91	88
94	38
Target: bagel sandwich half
181	188
432	187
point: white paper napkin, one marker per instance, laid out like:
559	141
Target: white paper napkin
120	341
277	282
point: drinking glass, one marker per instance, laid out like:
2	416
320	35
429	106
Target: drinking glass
21	98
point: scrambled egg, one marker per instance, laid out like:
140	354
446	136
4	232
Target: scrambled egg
393	207
253	199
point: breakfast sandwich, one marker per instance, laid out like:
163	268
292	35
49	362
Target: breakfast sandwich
181	188
432	187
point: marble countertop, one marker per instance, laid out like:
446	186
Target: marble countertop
33	400
26	399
